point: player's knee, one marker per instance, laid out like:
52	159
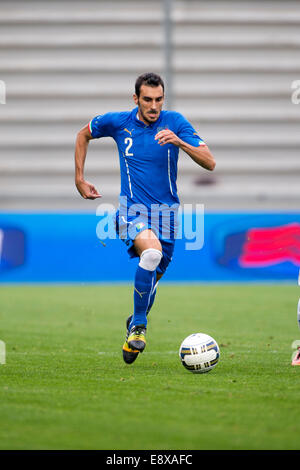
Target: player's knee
150	259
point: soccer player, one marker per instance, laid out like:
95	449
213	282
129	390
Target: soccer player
148	141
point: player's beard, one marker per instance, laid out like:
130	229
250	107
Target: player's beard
157	113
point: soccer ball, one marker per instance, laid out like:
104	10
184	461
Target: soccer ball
199	353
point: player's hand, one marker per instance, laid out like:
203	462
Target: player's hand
167	137
87	190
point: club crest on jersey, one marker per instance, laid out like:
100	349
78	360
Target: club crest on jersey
139	226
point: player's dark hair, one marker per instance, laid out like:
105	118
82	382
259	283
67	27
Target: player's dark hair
149	79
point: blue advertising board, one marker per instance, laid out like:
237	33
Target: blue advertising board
48	247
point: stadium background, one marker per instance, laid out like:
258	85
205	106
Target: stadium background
231	69
232	65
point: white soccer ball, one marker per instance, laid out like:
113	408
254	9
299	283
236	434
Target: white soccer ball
199	353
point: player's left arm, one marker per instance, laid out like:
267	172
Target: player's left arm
201	154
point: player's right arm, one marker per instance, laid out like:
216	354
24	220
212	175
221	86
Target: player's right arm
85	188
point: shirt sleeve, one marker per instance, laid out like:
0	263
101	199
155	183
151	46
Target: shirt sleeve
187	133
103	125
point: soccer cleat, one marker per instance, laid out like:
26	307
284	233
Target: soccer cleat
296	360
129	355
136	339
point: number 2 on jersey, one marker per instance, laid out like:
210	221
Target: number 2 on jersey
128	141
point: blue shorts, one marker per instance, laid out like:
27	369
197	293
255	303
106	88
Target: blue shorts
128	229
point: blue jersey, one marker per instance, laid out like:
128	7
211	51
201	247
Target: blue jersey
148	170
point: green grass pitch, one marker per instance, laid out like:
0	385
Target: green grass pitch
65	386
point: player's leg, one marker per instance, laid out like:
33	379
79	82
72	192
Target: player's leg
129	352
152	298
153	294
167	252
149	250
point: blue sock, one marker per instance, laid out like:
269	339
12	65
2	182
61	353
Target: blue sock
152	298
143	286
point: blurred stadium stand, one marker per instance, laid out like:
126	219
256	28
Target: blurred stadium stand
234	63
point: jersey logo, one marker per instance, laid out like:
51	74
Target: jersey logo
140	226
129	132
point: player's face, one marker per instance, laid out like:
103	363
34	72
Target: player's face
150	103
